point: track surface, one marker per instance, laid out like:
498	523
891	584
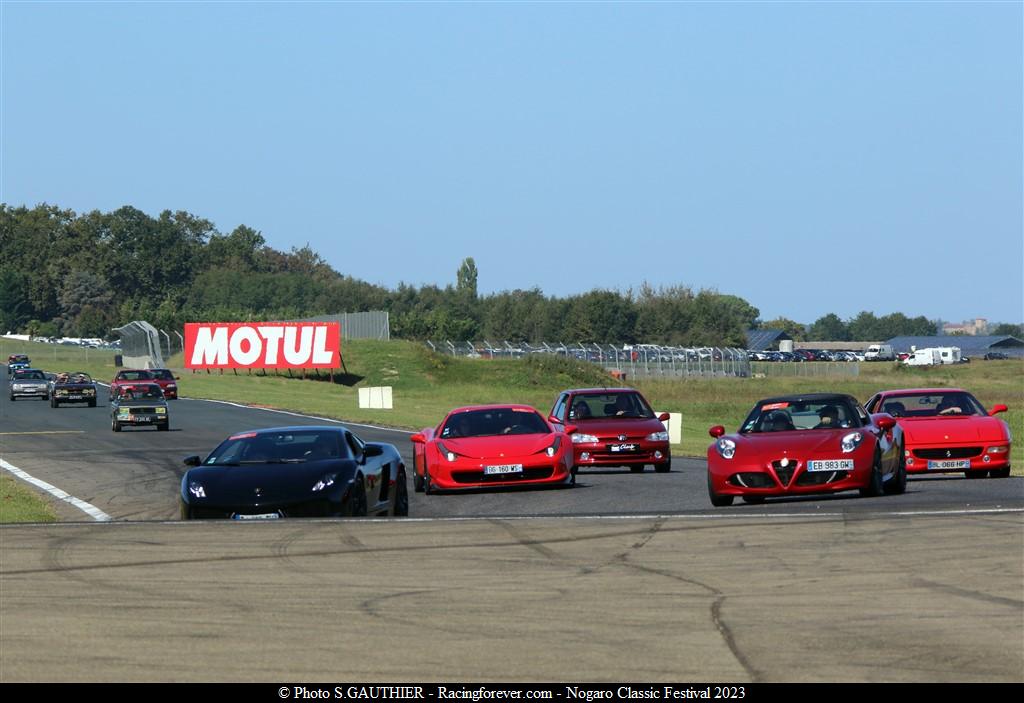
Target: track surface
914	587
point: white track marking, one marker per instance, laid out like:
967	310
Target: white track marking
87	508
563	518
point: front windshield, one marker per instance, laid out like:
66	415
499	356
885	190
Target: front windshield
162	374
794	415
932	405
29	376
135	376
599	406
297	447
488	423
148	392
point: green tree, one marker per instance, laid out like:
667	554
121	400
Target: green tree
796	330
466	277
828	328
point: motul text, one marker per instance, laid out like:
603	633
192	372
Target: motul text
262	345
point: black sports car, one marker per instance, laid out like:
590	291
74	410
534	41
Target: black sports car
295	472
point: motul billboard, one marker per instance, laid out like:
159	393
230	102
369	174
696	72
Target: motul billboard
262	345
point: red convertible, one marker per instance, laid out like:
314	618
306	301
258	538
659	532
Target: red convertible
947	429
800	444
492	445
615	427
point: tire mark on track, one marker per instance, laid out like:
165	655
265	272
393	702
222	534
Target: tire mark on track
968	593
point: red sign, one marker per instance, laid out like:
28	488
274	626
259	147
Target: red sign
262	345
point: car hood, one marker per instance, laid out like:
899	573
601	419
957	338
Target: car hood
963	428
499	446
772	444
612	427
73	386
276	481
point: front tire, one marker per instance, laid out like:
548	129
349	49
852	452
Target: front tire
163	426
664	467
92	403
115	425
719	501
897	485
401	496
1000	473
874	487
355	506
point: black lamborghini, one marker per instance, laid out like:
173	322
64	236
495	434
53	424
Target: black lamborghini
295	472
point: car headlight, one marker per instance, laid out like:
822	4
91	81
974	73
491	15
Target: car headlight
578	438
657	437
553	449
999	449
448	454
726	448
196	489
324	482
18	386
161	411
851	442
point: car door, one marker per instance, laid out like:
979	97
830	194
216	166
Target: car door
376	473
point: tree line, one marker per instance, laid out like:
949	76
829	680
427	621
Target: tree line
82	275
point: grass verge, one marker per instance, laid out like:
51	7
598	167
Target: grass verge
19	503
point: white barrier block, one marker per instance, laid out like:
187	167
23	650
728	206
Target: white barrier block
364	398
376	398
387	397
674	427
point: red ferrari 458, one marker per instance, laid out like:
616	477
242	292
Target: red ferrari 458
492	445
800	444
947	429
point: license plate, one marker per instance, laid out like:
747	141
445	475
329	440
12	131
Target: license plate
260	516
950	464
503	469
616	448
75	397
830	465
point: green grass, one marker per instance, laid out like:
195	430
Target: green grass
427	385
18	503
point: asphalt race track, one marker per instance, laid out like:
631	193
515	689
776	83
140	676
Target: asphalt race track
624	578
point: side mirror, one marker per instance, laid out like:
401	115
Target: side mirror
571	429
664	417
418	438
373	450
716	431
193	460
886	423
998	409
554	420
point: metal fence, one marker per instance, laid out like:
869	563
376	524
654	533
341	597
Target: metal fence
635	361
812	369
375	324
140	345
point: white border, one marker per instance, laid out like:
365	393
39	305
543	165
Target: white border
87	508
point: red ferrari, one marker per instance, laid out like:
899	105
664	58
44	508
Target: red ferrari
492	445
615	427
947	429
800	444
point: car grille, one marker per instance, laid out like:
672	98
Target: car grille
751	479
479	476
140	411
785	474
818	478
950	453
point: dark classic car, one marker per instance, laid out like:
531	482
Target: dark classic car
286	472
141	404
73	387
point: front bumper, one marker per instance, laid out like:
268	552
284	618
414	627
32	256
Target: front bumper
39	392
139	420
603	454
956	458
769	478
465	474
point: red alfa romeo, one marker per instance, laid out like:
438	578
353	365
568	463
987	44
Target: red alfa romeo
492	445
800	444
947	429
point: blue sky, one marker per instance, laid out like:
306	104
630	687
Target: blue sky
809	157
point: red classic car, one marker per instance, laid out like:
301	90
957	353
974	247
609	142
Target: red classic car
492	445
129	377
800	444
947	429
615	427
167	381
